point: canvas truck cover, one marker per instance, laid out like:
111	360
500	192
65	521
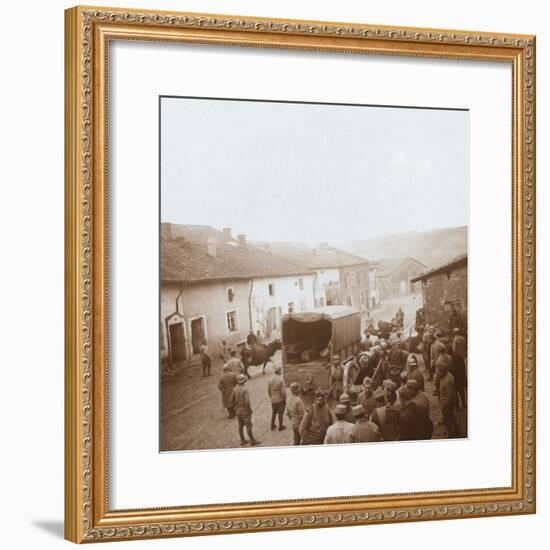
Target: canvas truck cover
317	327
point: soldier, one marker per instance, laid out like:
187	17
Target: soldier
316	421
240	400
414	371
386	417
227	382
336	379
366	397
345	400
277	393
205	359
427	340
295	411
413	422
223	352
418	396
235	364
458	367
447	397
364	430
251	339
339	431
455	321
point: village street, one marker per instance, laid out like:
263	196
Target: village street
192	416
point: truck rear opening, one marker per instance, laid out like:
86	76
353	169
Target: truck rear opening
310	339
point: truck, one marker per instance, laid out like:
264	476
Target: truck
310	340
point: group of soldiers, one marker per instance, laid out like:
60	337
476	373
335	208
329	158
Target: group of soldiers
379	395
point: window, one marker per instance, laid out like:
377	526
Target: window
290	307
349	301
271	289
352	278
230	294
425	283
232	321
321	302
301	284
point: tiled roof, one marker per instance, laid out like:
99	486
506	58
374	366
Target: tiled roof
312	257
388	266
455	262
185	259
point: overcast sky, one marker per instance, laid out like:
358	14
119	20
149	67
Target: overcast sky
306	172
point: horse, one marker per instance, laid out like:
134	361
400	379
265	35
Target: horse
261	354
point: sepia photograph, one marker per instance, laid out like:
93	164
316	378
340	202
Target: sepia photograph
313	273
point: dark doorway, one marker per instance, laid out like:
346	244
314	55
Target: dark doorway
197	334
177	342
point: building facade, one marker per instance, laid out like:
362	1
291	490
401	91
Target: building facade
444	290
394	276
215	288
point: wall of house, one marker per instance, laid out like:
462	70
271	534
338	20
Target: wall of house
398	281
354	286
209	301
268	308
327	287
441	292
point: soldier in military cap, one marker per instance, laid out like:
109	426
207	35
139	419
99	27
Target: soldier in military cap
363	430
240	401
316	421
340	431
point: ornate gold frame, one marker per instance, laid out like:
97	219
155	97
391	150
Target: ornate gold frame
88	32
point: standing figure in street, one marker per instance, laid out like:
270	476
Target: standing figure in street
427	340
316	421
366	398
447	397
223	352
295	411
240	401
277	393
226	384
205	359
414	423
414	371
234	363
336	379
386	417
455	320
421	400
259	338
458	367
364	431
340	431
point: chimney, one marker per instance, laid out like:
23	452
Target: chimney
242	240
227	233
211	247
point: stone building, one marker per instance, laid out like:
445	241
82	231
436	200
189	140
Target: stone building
394	276
444	290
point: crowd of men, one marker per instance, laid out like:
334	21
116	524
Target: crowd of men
384	400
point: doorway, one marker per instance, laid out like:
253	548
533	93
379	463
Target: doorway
198	334
177	342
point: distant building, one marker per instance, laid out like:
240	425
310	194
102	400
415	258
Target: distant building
214	287
444	290
340	278
394	276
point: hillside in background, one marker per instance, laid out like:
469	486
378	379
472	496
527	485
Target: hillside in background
430	247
